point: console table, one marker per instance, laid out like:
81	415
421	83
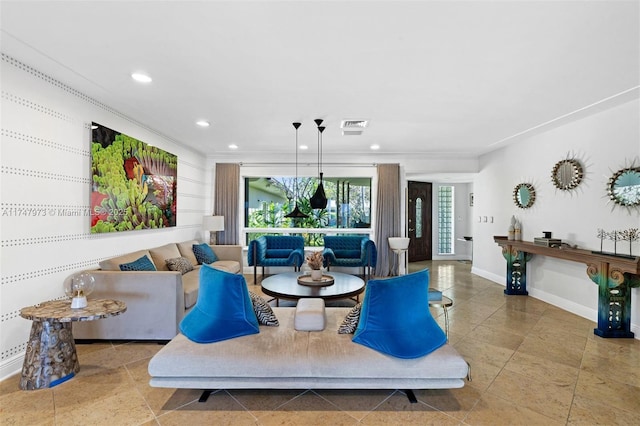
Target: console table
51	356
614	275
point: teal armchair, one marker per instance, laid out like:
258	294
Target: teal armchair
350	250
275	250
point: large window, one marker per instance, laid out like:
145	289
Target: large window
445	220
269	199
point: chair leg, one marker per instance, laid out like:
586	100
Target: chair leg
255	274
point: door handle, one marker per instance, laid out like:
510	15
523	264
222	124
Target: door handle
411	229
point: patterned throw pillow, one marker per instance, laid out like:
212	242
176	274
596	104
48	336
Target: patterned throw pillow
350	322
263	311
179	264
204	254
142	264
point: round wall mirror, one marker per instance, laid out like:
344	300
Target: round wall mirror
624	187
524	195
566	174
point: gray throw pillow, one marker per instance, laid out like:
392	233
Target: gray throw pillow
179	264
263	311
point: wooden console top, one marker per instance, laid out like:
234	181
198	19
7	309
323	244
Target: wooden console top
626	265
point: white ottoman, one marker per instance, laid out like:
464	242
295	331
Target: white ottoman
310	315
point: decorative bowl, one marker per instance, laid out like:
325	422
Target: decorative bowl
398	243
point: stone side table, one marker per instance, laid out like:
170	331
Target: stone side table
51	356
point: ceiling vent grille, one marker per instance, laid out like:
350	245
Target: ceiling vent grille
353	127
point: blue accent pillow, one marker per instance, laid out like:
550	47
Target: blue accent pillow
204	254
223	309
142	264
395	317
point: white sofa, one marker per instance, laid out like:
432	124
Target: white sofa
283	358
156	301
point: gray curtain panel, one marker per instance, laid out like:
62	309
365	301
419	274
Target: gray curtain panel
227	189
388	218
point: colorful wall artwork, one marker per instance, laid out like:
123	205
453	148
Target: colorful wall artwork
133	184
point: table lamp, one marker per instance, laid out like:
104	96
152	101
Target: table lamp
78	288
213	224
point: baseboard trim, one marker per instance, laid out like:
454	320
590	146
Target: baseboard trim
11	366
498	279
559	302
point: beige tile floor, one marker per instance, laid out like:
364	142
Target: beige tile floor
531	363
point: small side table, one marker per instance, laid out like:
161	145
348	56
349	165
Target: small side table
51	356
443	303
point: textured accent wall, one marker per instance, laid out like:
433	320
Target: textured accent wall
45	186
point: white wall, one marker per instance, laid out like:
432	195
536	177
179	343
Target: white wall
46	173
604	142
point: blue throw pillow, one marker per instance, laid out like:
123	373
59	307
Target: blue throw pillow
395	317
223	309
142	264
204	254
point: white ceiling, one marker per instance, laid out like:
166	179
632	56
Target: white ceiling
447	77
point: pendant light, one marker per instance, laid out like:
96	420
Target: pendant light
319	199
296	213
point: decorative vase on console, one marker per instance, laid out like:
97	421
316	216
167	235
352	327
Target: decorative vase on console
511	235
517	231
314	260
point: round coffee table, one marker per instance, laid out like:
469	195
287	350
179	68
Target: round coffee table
285	286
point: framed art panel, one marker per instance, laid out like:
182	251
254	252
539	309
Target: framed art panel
133	184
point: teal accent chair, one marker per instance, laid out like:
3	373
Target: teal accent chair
350	250
275	250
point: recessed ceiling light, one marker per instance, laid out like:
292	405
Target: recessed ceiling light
140	77
233	146
203	123
375	147
304	147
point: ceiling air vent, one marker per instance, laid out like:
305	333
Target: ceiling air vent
353	127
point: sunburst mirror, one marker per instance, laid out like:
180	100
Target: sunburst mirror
624	187
524	195
567	174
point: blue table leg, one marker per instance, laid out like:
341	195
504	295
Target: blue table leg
516	271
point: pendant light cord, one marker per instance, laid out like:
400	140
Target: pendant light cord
296	125
318	122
